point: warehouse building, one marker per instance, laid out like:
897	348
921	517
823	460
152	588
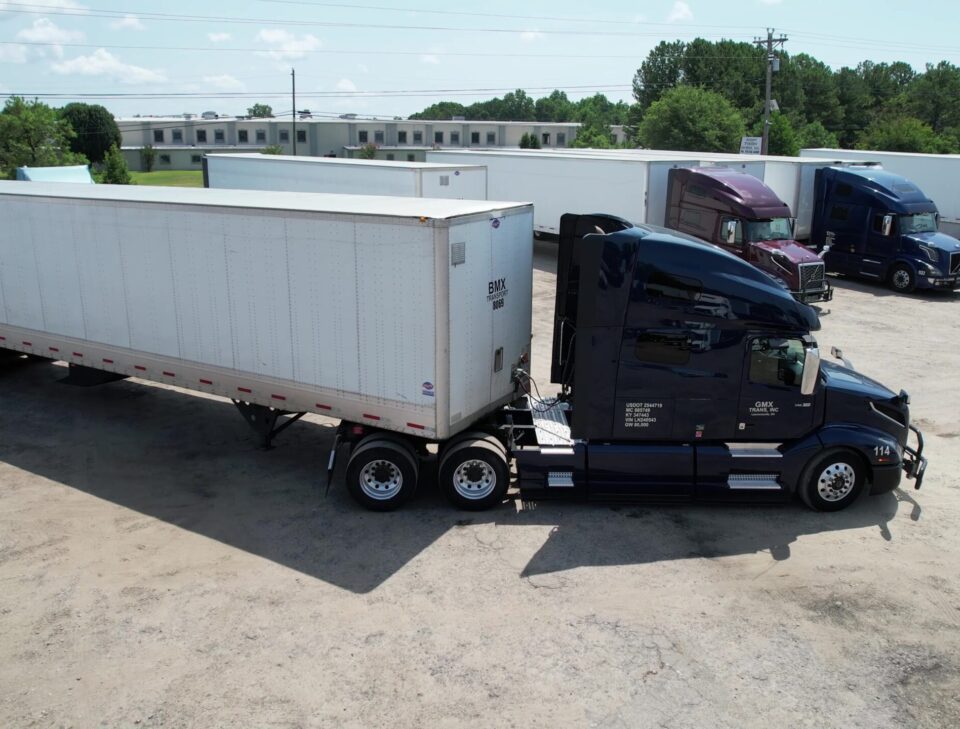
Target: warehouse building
181	141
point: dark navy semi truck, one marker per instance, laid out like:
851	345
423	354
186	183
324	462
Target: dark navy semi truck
879	225
685	373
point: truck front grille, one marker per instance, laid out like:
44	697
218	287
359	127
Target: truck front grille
811	276
954	263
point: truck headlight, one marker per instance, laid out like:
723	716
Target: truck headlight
931	253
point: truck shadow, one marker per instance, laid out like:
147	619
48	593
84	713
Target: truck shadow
882	290
189	461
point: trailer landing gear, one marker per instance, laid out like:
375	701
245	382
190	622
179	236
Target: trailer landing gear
264	421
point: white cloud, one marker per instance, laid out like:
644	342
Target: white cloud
346	84
528	36
218	37
429	58
45	31
103	63
128	22
224	82
680	12
13	53
286	46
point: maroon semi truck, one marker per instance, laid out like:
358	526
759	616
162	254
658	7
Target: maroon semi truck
738	212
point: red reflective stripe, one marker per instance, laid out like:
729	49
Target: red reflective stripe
205	382
278	397
54	349
28	344
244	389
324	407
140	367
372	417
108	361
417	426
77	354
169	374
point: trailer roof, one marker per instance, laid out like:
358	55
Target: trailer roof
400	207
439	166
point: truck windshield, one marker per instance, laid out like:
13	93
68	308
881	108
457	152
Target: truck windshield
919	223
775	229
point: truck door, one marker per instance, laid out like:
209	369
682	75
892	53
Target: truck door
771	406
881	244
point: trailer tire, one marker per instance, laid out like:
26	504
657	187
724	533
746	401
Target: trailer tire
833	481
473	473
382	473
903	279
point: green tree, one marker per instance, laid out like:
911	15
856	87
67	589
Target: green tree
816	136
441	111
820	102
95	128
688	118
260	111
367	151
730	68
517	106
934	97
272	149
856	103
534	141
900	134
148	157
525	141
554	108
783	138
662	70
115	170
33	134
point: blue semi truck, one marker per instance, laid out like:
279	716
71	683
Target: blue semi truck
879	225
685	373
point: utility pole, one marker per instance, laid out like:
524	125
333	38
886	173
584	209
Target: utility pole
293	88
770	43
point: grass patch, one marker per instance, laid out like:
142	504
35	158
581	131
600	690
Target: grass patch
169	178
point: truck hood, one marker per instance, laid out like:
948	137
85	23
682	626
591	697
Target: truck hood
938	240
851	382
790	248
852	397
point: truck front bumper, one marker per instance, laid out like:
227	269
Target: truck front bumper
813	295
939	282
914	464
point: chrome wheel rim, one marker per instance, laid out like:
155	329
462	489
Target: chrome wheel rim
381	480
836	481
474	479
901	279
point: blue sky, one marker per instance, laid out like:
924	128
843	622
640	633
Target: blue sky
393	57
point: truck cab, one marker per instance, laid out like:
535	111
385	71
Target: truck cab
879	225
739	213
687	373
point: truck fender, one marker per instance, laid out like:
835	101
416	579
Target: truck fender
875	447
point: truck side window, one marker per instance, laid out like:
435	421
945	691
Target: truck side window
697	190
662	347
775	361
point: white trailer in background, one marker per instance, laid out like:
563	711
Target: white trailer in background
374	310
938	175
344	176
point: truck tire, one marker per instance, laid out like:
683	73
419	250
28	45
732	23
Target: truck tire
473	473
902	278
382	473
833	481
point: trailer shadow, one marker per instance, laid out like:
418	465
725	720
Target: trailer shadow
882	290
189	461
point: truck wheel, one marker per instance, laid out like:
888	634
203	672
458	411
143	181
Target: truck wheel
833	481
382	473
903	279
473	473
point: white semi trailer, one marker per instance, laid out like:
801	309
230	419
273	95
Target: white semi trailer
935	174
344	176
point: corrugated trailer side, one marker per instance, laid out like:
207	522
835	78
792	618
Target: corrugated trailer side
339	305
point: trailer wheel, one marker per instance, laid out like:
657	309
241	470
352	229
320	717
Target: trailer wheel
382	473
902	278
473	473
833	481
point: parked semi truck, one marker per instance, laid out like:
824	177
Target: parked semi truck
638	188
684	371
287	173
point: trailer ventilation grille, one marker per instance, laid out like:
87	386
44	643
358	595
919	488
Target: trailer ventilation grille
954	263
811	276
458	253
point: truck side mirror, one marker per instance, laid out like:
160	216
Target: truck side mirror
887	225
811	371
731	231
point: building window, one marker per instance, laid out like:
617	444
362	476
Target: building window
402	137
418	137
390	156
201	136
378	137
411	157
261	136
218	136
242	136
284	136
362	136
178	135
164	159
491	137
195	159
474	137
545	138
302	135
438	137
158	135
454	137
561	139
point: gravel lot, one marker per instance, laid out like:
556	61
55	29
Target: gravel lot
158	569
